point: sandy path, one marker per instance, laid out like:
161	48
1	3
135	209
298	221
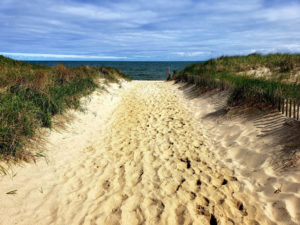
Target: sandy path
148	164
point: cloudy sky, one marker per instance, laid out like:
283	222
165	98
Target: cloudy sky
147	29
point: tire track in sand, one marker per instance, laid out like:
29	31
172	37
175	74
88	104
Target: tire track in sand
159	170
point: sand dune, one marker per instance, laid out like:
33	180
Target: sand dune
262	147
138	156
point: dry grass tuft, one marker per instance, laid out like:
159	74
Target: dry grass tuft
30	95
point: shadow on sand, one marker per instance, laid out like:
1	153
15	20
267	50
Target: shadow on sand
285	132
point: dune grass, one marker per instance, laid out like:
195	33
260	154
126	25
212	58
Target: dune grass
30	95
246	88
279	64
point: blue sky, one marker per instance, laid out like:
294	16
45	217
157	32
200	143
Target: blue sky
147	29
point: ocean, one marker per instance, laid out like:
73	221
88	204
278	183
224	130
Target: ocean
136	70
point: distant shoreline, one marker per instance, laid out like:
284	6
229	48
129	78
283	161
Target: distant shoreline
137	70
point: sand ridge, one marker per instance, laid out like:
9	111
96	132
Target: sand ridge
142	161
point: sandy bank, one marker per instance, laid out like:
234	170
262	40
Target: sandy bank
261	147
141	155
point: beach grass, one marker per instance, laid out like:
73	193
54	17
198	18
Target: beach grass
244	87
30	95
280	65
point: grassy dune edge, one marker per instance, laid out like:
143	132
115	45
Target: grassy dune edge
31	94
251	79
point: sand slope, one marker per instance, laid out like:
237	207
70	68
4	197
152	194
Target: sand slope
262	147
135	157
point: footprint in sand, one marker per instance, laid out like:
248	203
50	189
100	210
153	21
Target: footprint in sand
153	169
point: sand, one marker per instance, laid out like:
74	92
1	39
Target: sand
141	154
262	147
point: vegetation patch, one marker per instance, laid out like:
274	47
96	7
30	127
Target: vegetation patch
279	67
231	72
30	95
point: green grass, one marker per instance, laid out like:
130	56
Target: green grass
279	64
30	95
247	89
13	192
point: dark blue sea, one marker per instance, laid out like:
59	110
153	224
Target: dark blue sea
136	70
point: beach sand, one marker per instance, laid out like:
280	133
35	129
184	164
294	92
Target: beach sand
147	154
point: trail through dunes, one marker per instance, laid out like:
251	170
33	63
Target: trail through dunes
148	164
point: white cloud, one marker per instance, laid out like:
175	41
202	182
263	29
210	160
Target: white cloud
86	11
190	54
229	6
290	12
56	56
159	29
292	47
89	12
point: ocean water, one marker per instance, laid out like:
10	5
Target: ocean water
136	70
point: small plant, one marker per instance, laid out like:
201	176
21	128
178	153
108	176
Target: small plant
3	171
13	192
